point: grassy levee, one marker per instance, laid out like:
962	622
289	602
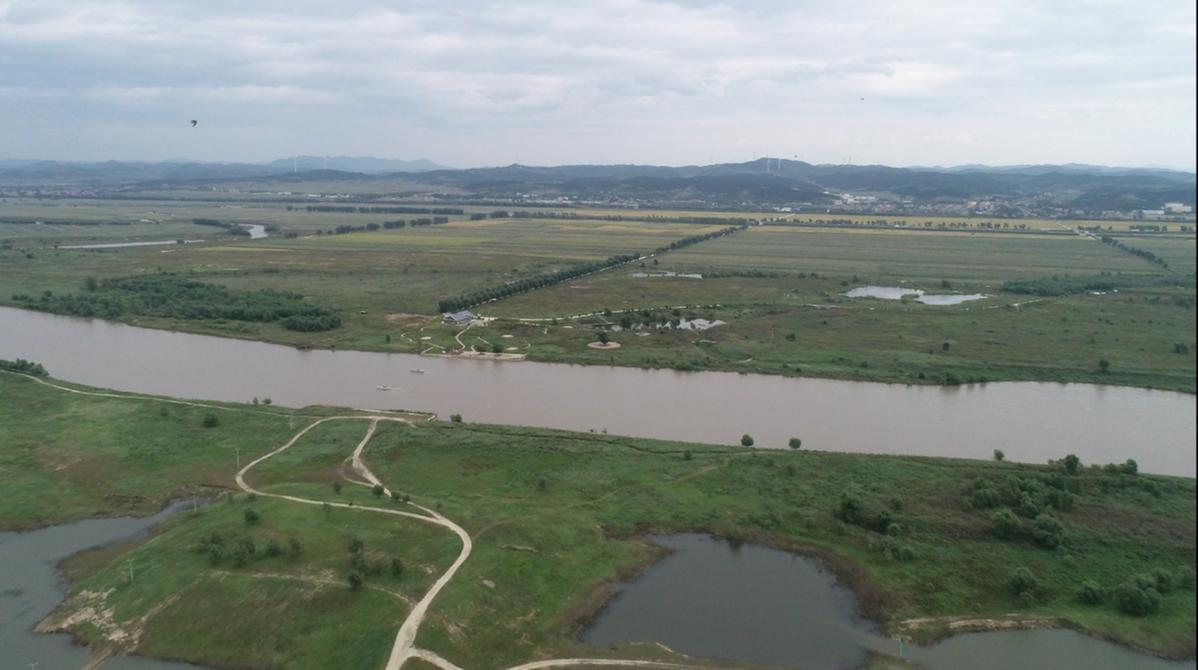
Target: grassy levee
556	515
68	456
555	518
292	610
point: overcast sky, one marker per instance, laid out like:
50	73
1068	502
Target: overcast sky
911	82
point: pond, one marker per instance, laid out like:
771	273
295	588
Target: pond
898	293
30	588
1029	421
714	599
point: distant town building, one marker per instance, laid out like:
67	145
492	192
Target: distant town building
1177	208
457	318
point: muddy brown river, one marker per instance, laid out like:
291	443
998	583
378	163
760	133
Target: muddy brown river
1029	421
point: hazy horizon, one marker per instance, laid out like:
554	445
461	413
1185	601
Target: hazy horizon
414	159
924	83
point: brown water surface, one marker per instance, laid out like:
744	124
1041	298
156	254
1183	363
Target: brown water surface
1029	421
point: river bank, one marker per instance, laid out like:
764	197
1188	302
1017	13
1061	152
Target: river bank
531	500
1101	424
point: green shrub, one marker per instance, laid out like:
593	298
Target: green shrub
210	420
746	440
1059	500
1072	463
1136	601
1028	507
1006	524
1184	575
984	498
1023	581
1165	581
1048	531
24	367
853	509
1091	593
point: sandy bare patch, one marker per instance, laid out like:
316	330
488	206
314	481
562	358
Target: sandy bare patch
603	345
395	317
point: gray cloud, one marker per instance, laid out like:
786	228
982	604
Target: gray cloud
537	81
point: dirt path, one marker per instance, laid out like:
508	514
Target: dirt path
405	639
404	647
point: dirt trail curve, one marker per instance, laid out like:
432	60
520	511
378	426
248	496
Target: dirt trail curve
404	647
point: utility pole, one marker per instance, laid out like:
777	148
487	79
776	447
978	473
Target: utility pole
129	562
238	458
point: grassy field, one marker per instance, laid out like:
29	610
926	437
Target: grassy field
1178	252
555	518
880	255
778	289
67	456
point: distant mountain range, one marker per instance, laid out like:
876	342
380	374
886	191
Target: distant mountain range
763	182
113	172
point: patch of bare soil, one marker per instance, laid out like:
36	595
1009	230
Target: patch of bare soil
603	345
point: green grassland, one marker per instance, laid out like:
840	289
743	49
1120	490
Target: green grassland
899	255
303	613
777	288
68	456
1177	252
555	517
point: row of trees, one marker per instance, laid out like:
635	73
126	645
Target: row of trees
24	367
348	209
232	228
360	567
902	223
575	216
695	239
386	225
1135	251
532	283
242	550
172	296
497	214
1138	595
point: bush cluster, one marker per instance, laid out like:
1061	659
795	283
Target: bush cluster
168	295
24	367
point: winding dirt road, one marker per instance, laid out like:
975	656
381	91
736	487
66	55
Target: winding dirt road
404	647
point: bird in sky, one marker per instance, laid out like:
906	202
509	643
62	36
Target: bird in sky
193	123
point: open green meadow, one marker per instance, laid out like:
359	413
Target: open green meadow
896	255
556	517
